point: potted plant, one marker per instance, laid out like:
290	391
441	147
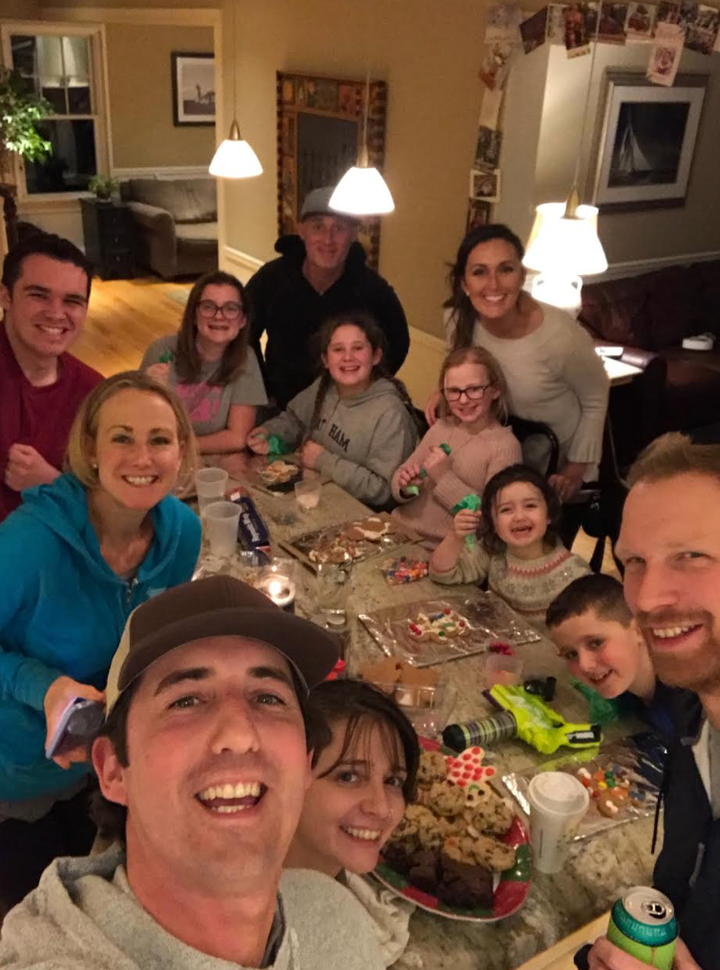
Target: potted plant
20	108
104	186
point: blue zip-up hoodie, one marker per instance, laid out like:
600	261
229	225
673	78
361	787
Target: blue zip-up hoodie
63	611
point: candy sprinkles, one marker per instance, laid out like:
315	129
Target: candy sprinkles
444	625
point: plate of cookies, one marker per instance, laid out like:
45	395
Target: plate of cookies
348	542
460	850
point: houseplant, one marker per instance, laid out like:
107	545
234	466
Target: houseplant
20	108
103	186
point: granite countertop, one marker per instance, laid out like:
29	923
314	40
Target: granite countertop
599	868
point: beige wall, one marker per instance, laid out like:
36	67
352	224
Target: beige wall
556	120
429	53
143	134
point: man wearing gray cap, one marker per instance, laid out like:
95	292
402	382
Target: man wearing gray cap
321	271
205	758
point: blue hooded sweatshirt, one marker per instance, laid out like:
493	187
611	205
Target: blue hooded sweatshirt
63	611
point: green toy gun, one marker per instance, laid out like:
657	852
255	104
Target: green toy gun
539	725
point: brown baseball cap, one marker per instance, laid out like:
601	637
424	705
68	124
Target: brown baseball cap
212	607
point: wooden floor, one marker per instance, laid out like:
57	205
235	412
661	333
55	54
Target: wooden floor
125	316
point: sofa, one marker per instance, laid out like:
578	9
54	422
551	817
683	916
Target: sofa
176	224
649	315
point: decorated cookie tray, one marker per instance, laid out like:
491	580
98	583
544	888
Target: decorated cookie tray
449	628
349	542
623	780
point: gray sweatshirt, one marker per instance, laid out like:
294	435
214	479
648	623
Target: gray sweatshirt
84	916
366	437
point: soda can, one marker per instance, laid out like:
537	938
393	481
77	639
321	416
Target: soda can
643	924
490	729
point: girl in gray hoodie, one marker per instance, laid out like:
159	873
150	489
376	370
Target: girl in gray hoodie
355	423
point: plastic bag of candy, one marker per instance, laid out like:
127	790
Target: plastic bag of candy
404	570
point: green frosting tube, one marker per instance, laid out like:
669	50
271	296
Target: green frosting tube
600	709
276	446
443	447
167	357
472	502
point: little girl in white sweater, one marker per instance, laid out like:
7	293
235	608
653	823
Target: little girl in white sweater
518	550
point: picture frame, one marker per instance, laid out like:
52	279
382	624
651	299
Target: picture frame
478	214
485	185
646	141
193	88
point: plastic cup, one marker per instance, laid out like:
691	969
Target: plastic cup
558	802
220	521
210	484
503	670
307	493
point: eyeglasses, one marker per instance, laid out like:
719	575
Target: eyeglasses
231	311
476	392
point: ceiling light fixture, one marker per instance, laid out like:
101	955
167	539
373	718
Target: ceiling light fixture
564	245
362	191
234	158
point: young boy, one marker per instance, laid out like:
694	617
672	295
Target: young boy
595	633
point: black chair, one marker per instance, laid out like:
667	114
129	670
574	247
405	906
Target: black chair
524	430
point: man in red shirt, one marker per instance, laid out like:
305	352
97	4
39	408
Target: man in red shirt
45	290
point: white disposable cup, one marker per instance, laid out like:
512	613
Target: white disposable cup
558	802
210	484
220	521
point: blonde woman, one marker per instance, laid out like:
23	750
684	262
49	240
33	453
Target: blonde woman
75	559
463	449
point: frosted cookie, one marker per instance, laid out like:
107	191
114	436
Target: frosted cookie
440	627
279	472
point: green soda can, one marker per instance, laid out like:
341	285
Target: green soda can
643	924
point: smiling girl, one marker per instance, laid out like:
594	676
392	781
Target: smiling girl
209	364
75	559
363	774
355	423
519	552
475	402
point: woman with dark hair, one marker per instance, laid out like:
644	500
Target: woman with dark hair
550	365
355	423
519	551
210	365
363	775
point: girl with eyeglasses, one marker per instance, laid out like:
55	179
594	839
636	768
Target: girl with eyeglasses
210	365
464	448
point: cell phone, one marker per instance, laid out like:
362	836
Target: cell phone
80	722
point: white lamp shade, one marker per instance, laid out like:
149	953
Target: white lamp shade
362	192
235	159
565	245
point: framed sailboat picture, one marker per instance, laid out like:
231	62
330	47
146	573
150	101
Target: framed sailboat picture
646	141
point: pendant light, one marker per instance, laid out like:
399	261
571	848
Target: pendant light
234	158
362	191
564	245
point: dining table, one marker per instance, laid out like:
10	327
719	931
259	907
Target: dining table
599	867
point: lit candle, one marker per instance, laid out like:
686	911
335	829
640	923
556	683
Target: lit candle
281	590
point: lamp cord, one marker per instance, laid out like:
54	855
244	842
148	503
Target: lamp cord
587	98
233	52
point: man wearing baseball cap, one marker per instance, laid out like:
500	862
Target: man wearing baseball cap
205	758
321	272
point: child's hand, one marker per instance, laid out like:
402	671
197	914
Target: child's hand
310	453
431	408
436	464
159	373
409	475
466	523
568	481
257	441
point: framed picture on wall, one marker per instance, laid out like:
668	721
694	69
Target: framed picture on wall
646	141
193	88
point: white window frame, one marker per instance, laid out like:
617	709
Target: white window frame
99	99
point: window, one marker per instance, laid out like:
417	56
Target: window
60	68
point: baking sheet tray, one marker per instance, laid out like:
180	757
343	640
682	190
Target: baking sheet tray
302	545
488	620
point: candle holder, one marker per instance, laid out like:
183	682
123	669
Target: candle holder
277	583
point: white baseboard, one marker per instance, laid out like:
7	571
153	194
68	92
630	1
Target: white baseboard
243	265
166	172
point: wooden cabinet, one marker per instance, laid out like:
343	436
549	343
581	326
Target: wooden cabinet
108	233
